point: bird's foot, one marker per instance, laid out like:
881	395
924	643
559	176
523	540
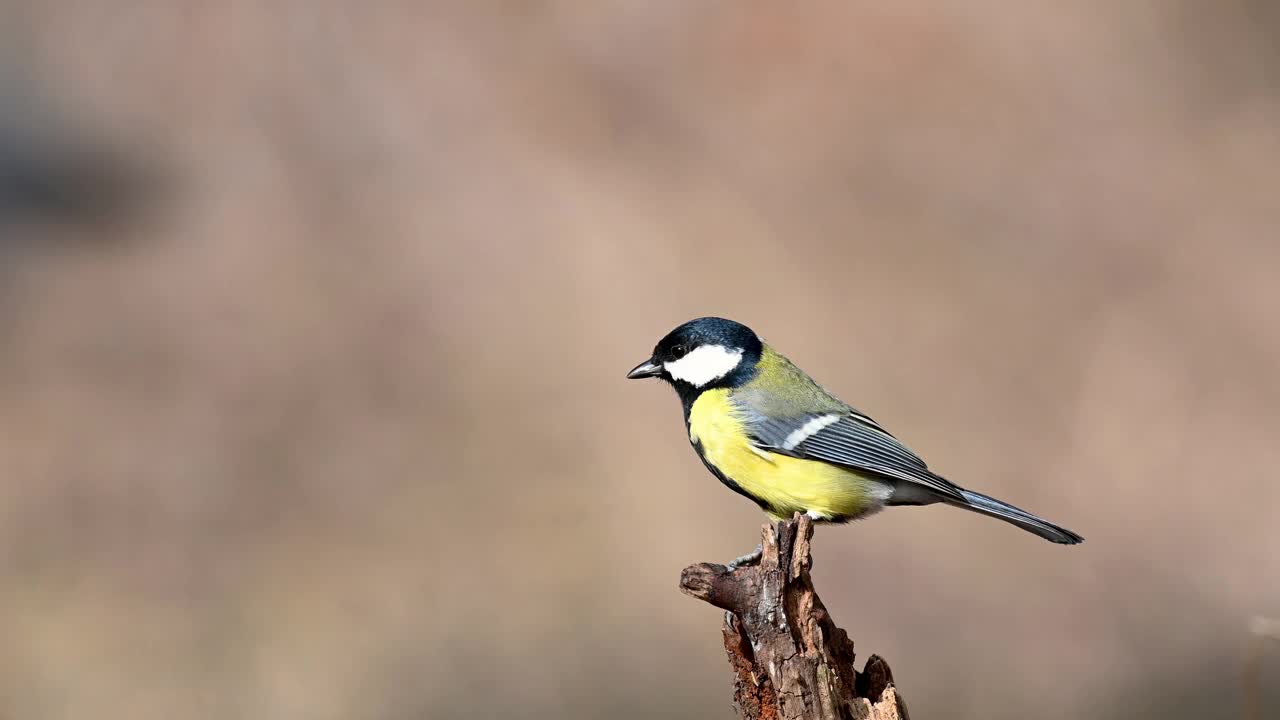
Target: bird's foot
751	558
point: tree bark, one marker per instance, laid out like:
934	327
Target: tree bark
789	660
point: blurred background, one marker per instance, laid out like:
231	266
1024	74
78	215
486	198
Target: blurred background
314	317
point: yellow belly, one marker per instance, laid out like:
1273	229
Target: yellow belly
785	485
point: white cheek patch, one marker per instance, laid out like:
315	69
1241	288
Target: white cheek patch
704	364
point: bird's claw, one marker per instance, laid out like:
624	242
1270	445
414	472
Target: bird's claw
750	558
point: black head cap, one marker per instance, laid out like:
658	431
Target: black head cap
707	331
734	338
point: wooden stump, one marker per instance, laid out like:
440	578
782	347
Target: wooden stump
789	660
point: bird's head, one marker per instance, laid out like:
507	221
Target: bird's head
703	353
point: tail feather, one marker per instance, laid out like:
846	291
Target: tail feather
980	503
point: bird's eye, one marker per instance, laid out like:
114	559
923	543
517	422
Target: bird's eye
679	351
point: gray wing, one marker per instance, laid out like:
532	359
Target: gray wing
850	439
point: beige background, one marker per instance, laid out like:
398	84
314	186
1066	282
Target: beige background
342	432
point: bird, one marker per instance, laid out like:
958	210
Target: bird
769	432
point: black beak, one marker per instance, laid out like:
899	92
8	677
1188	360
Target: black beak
646	369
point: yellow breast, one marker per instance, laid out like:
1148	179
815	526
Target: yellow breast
784	484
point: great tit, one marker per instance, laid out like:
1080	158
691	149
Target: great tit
769	432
